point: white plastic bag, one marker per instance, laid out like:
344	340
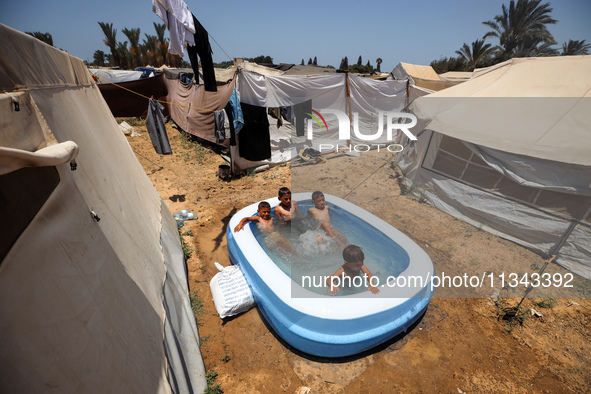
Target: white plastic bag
230	291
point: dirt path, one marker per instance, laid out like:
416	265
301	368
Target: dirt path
460	344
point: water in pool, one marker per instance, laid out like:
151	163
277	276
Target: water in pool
310	252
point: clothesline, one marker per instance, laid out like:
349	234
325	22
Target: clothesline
146	97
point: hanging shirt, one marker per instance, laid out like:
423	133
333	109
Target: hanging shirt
157	129
179	21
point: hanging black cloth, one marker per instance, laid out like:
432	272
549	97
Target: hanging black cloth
203	49
228	109
156	128
300	112
254	140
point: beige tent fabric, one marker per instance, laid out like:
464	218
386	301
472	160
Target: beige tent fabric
533	106
54	155
192	108
418	71
81	296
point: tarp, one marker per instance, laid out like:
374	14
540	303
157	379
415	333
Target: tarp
508	152
93	292
131	98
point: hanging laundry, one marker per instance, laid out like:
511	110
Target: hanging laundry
157	129
254	140
300	112
178	19
287	114
203	49
220	131
229	111
276	114
236	112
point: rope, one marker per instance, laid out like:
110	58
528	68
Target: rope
146	97
363	181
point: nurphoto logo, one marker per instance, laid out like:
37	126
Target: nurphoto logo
394	121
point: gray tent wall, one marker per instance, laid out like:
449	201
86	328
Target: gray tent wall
539	203
86	305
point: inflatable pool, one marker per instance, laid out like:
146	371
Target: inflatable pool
320	324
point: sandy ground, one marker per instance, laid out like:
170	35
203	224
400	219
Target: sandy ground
459	345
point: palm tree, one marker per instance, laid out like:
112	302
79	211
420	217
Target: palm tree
99	58
149	48
477	55
521	28
575	47
378	61
125	58
111	41
162	41
133	35
45	37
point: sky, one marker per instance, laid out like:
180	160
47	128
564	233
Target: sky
416	31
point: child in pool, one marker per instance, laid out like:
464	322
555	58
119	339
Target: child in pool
353	266
286	210
266	224
320	213
265	221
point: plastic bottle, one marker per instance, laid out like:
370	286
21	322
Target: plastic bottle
185	214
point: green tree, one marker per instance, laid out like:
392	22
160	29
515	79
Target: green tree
477	55
99	58
302	62
262	59
359	61
45	37
125	58
575	47
378	62
315	61
110	40
445	64
162	41
522	29
133	35
149	49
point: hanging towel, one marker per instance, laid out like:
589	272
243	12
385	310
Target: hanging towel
203	49
236	112
156	128
254	140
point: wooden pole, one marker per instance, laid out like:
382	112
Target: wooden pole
349	103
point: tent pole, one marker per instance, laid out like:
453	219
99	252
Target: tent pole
556	248
407	93
349	103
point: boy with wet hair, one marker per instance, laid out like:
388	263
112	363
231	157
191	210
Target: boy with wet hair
320	213
266	224
353	266
264	220
286	210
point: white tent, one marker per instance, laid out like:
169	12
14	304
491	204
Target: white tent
93	288
509	150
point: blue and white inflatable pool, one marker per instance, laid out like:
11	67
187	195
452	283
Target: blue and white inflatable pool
335	326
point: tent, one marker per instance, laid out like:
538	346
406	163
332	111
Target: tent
422	76
93	287
509	151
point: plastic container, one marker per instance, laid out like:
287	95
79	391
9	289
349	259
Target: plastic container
185	214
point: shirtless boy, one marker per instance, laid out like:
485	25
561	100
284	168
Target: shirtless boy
320	213
353	266
287	209
264	220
